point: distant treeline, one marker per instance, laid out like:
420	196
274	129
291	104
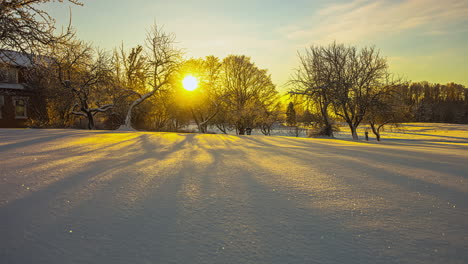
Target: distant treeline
433	102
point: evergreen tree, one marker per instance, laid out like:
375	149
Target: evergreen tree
291	115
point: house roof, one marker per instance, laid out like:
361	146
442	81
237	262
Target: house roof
15	58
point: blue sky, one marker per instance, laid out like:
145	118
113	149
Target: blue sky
422	39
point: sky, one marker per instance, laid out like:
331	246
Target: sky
421	39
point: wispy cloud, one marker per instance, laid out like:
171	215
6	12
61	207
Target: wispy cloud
362	19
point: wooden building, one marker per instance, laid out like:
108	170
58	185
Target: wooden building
16	96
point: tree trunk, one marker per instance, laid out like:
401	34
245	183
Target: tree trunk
326	119
375	131
202	122
91	125
128	118
354	132
222	128
200	127
203	128
266	130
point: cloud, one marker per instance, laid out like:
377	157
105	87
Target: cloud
361	19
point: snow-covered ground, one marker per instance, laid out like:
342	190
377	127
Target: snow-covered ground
75	196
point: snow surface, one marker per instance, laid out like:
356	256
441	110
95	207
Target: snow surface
75	196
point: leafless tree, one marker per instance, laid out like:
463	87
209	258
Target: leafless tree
358	77
222	119
204	103
311	79
270	115
343	77
131	76
53	104
83	71
248	90
161	60
387	108
25	27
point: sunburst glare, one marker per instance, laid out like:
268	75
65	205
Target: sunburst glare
190	83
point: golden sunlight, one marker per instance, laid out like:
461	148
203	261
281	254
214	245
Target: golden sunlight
190	83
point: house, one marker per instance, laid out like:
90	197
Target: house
16	96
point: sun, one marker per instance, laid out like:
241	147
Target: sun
190	83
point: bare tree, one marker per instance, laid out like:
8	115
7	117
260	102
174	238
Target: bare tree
205	101
343	77
358	77
311	80
162	61
387	109
222	119
248	90
53	104
166	111
84	71
131	75
270	115
25	27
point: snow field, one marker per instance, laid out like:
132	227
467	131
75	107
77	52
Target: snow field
73	196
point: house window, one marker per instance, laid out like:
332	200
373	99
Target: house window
20	107
8	75
2	102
